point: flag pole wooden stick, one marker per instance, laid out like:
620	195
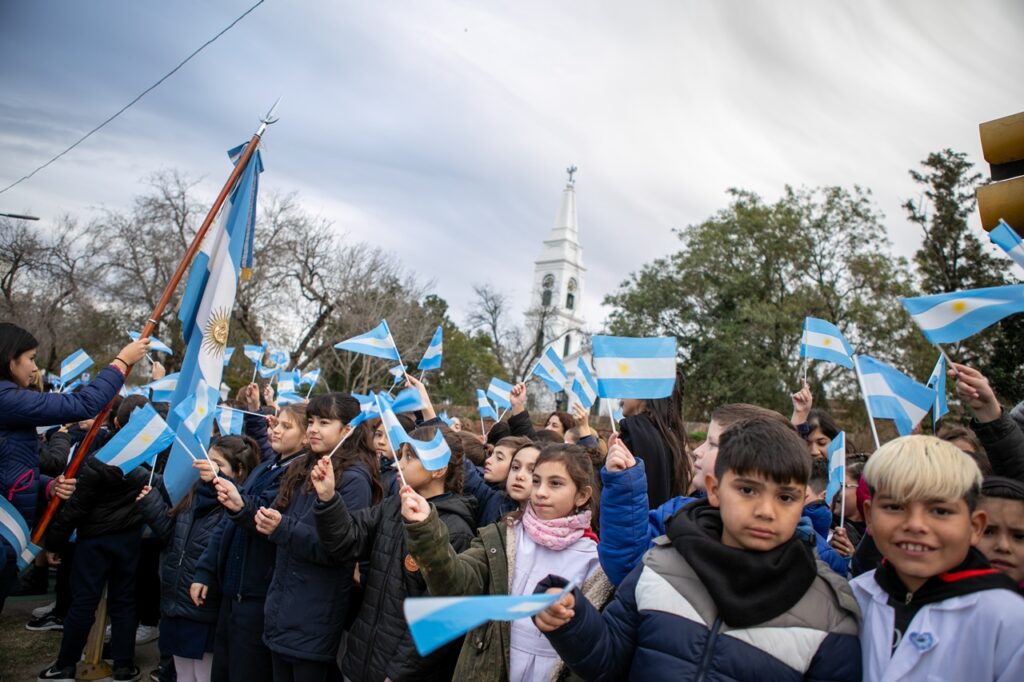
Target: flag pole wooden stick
867	403
158	310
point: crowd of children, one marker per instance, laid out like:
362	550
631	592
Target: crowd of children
292	555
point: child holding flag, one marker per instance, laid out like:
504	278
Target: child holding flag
379	644
553	534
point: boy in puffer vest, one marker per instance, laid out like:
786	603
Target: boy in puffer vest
730	591
934	609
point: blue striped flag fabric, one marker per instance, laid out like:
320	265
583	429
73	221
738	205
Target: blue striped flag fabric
377	342
432	356
229	421
891	394
73	365
484	407
500	392
952	317
144	436
14	529
155	344
822	340
584	385
629	367
1009	241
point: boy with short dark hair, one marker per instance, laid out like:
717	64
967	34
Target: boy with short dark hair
934	609
730	591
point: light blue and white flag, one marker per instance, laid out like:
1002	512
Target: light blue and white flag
948	318
255	353
73	365
432	356
197	410
268	372
1009	241
288	398
205	314
552	365
287	381
483	406
80	381
310	378
836	467
376	342
823	341
542	374
367	409
278	356
434	453
162	390
228	352
891	394
408	400
155	344
500	392
392	427
134	390
634	368
937	382
448	421
14	529
230	422
397	373
584	385
144	436
435	621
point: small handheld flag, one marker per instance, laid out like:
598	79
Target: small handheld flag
891	394
435	621
483	406
552	364
163	389
823	341
937	381
268	372
367	409
73	365
155	344
584	385
278	356
392	427
1009	241
288	398
230	422
408	400
228	352
397	373
310	378
952	317
198	407
836	467
255	353
448	421
634	368
542	374
14	529
145	435
432	356
500	392
433	454
81	381
376	342
287	381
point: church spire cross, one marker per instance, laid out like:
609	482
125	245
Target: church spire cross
571	170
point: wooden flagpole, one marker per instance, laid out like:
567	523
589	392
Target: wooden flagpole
186	261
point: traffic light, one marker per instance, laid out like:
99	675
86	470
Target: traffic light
1002	144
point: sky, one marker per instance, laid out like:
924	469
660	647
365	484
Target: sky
441	131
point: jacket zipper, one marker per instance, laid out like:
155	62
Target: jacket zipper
910	595
706	660
376	612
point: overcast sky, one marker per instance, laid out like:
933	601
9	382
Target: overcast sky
441	130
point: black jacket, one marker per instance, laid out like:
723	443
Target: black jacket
186	535
1003	441
380	645
521	425
103	504
643	439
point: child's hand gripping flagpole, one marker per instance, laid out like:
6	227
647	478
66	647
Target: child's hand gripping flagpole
158	310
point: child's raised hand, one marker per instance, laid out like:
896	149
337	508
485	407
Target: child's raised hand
802	402
413	382
268	396
619	457
207	469
414	506
974	389
227	495
157	371
267	520
517	396
558	614
142	493
322	476
582	417
198	593
841	542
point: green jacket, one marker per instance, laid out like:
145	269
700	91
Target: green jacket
485	568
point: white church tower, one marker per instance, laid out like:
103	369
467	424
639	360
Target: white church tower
555	314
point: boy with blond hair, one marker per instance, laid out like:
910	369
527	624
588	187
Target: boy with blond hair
934	609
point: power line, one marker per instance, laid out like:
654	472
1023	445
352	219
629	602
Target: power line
141	95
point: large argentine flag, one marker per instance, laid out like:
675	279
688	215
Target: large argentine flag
143	437
73	365
634	368
891	394
823	341
1009	241
500	392
952	317
14	530
206	314
432	356
836	467
937	381
584	385
435	621
376	342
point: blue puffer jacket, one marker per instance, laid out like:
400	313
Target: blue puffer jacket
628	529
492	503
21	411
821	518
308	600
187	535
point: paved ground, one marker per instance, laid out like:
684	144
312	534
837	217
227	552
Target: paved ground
23	653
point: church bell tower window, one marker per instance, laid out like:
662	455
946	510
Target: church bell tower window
547	285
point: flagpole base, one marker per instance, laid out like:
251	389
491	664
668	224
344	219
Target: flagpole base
93	667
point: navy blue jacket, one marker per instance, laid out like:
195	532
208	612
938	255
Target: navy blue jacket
492	503
308	600
186	535
21	411
821	518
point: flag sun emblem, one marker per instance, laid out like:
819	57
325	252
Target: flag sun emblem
215	335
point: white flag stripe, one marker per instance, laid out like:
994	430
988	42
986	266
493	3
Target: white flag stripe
374	343
948	312
634	368
876	385
417	609
14	525
819	340
432	352
139	443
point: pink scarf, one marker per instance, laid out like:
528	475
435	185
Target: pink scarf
556	534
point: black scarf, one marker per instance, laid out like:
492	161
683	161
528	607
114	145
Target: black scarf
748	587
